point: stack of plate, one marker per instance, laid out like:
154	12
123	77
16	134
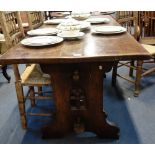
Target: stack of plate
108	29
41	41
43	31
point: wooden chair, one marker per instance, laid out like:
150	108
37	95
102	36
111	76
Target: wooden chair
146	22
3	67
35	19
56	14
138	67
128	19
32	76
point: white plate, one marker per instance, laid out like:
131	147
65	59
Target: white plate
108	29
43	31
77	36
41	40
98	20
54	21
84	25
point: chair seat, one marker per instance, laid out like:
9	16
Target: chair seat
149	48
148	40
33	75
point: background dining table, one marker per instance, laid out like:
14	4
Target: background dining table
77	69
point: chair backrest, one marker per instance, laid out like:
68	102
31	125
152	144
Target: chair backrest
146	22
35	19
12	27
24	17
56	14
129	20
123	14
48	15
13	32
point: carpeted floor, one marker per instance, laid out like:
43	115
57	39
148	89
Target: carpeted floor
134	115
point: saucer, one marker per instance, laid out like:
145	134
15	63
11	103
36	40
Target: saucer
71	37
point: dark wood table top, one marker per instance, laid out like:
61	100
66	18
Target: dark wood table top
91	48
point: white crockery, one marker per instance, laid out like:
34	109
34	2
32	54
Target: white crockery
69	27
84	25
41	41
98	20
80	15
79	35
54	21
43	31
108	29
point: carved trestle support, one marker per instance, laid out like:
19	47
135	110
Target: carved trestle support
80	107
77	101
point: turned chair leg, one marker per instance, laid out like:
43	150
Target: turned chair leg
21	104
131	69
4	68
114	74
40	91
138	77
32	96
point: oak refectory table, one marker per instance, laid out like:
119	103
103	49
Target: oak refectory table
77	68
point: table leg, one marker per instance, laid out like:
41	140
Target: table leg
60	86
78	94
96	117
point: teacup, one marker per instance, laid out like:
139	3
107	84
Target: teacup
70	33
69	27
